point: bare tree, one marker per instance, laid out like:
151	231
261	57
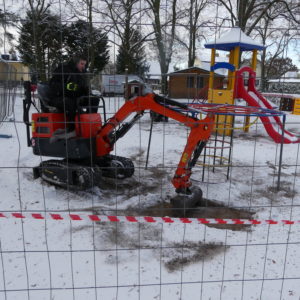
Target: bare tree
127	14
277	31
248	13
87	11
164	20
89	4
84	10
277	42
271	20
192	26
7	19
122	14
125	17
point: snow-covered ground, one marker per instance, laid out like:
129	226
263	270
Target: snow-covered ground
48	259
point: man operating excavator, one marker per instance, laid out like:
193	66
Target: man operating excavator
70	88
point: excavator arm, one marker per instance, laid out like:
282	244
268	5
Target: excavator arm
199	134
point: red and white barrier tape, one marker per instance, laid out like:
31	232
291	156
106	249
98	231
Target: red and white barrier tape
137	219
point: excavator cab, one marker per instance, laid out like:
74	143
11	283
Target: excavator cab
51	135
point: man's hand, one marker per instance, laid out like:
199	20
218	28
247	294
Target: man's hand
72	86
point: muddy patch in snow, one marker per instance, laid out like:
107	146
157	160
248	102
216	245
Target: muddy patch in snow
142	183
286	190
180	255
174	255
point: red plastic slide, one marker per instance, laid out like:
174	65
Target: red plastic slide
273	124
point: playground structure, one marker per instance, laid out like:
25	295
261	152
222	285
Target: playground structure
235	41
273	125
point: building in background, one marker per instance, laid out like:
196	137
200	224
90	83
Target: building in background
289	83
247	62
191	83
13	70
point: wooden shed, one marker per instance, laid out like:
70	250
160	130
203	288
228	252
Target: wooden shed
191	83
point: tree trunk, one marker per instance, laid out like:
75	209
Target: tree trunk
263	84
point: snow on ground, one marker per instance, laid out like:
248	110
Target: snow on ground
47	259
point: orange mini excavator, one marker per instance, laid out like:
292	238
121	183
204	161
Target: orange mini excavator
85	154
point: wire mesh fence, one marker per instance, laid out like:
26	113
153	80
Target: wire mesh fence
159	193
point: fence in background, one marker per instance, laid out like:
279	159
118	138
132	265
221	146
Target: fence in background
8	86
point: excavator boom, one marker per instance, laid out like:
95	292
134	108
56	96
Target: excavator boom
200	131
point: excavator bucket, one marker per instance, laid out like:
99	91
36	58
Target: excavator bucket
186	200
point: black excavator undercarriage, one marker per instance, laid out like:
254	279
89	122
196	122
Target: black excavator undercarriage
83	174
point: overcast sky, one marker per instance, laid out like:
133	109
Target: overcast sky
179	58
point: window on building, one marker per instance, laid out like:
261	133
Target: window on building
190	82
200	82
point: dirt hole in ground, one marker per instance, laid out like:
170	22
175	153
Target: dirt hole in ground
206	209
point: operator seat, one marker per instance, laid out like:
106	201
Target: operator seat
44	95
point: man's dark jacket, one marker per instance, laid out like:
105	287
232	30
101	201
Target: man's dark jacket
64	95
65	74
